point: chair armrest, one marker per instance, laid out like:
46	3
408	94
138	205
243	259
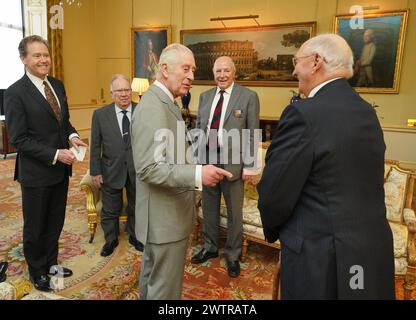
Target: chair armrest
93	193
410	219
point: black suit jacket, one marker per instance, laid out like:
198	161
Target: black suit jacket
322	194
35	132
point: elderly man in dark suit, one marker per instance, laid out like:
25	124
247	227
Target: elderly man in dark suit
232	108
111	163
321	192
37	119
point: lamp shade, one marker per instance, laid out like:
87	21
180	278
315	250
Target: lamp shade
140	85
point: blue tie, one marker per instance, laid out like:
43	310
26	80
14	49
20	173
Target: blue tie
125	126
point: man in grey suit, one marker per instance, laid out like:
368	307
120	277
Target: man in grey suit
227	107
111	164
165	214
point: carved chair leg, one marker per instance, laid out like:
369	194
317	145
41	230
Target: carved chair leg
276	280
244	248
409	284
92	226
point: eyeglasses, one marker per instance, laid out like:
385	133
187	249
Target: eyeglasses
295	60
120	91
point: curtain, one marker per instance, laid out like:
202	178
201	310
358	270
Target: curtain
55	45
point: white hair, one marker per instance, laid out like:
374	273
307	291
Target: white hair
227	58
169	55
334	49
116	77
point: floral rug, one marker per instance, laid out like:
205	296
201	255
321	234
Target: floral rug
115	277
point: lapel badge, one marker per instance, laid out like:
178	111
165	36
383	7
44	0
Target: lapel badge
237	113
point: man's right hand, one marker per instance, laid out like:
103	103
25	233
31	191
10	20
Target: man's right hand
65	156
211	175
97	180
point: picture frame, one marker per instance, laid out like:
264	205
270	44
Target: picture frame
262	54
378	46
146	45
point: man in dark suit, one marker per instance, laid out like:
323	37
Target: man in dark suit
232	108
111	163
321	192
37	119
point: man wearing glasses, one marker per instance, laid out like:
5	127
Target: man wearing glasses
111	163
321	192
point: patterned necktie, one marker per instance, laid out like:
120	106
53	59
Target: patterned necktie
215	122
50	97
125	126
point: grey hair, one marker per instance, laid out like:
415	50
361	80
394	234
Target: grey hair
231	60
334	49
116	77
169	55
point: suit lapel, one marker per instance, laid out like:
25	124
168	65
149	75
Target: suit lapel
233	100
113	122
174	109
205	113
34	92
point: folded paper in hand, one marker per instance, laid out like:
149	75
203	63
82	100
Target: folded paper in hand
79	154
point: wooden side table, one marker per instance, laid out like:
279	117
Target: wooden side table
5	146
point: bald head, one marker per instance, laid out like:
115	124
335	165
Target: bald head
224	72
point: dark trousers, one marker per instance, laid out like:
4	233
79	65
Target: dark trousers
112	200
43	220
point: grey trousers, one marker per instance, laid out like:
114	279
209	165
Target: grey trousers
162	268
112	200
211	199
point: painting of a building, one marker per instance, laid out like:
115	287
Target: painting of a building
242	53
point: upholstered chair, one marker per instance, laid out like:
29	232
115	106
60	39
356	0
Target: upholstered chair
94	205
399	188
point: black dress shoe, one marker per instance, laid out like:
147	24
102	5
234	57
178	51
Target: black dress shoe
203	256
41	283
60	271
3	269
108	248
136	244
233	268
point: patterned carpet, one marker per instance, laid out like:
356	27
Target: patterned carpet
115	277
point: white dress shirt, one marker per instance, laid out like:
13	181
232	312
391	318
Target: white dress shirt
38	83
227	95
119	114
198	168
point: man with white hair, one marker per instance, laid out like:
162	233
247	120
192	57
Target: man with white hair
321	192
165	199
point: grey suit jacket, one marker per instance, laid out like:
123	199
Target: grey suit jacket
165	199
109	155
242	113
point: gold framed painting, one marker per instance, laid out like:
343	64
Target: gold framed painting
378	45
262	55
146	45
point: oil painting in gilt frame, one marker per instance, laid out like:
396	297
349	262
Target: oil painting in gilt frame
262	55
378	46
146	46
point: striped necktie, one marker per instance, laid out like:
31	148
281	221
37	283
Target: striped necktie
215	122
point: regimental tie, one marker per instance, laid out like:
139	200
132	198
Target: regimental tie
50	97
215	122
125	126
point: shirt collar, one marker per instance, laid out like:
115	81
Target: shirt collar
319	86
36	80
228	90
164	89
118	109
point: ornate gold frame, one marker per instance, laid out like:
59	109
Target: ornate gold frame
225	33
399	50
133	51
